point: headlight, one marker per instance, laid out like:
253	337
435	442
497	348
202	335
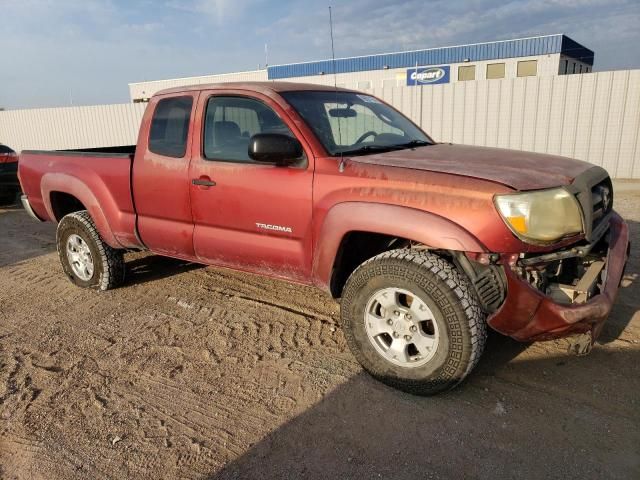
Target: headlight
541	217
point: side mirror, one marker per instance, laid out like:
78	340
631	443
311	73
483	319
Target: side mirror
282	150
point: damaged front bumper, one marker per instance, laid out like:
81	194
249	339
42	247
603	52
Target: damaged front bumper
529	314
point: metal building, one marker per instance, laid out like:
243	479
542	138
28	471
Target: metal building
512	94
543	56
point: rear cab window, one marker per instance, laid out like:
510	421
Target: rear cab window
169	130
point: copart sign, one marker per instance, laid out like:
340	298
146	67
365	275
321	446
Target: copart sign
427	75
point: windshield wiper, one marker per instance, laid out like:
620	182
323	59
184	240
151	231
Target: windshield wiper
369	149
413	143
383	148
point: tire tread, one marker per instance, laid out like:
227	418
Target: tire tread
455	282
111	259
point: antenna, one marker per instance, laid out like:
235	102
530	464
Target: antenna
335	85
415	100
333	53
266	55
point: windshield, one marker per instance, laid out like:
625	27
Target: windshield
349	123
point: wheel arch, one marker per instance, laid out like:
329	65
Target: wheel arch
371	225
64	194
63	203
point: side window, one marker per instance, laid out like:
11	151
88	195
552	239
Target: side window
389	83
170	127
495	70
466	73
527	68
230	123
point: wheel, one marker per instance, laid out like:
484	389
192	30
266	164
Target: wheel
413	321
86	259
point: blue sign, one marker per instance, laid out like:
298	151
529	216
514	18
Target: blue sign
427	75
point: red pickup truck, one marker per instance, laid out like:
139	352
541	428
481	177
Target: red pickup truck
424	243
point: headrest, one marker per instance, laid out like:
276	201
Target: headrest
223	130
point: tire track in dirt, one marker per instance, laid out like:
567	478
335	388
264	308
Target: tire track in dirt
188	370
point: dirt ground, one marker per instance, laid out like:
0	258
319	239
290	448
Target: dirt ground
192	372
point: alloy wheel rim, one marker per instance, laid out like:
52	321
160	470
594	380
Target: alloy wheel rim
80	258
401	327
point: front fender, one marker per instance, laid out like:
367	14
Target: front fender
61	182
423	227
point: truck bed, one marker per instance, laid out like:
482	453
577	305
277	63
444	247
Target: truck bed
125	149
99	180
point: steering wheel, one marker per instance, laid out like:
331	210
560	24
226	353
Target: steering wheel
370	133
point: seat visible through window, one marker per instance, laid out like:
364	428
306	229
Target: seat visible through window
230	122
229	141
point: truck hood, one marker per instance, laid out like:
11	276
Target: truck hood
513	168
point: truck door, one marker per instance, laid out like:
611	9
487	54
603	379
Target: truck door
247	215
160	181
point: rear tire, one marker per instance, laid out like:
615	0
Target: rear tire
85	257
413	321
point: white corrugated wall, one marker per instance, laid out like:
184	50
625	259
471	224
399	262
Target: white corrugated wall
71	127
593	117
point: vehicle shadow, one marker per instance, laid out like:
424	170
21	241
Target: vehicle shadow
519	414
21	237
145	267
531	418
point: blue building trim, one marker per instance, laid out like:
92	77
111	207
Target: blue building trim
522	47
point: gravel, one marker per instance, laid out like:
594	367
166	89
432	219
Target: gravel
196	372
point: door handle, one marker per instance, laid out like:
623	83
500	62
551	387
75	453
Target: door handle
203	182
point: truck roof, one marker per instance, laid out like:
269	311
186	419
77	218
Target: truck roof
260	87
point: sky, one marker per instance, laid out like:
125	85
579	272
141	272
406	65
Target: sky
84	52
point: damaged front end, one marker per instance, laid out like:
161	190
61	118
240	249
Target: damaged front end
569	276
569	292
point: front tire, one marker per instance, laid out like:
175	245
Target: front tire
85	257
413	321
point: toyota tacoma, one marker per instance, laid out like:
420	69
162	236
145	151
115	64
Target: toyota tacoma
424	244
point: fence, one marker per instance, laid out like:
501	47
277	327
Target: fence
593	117
71	127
